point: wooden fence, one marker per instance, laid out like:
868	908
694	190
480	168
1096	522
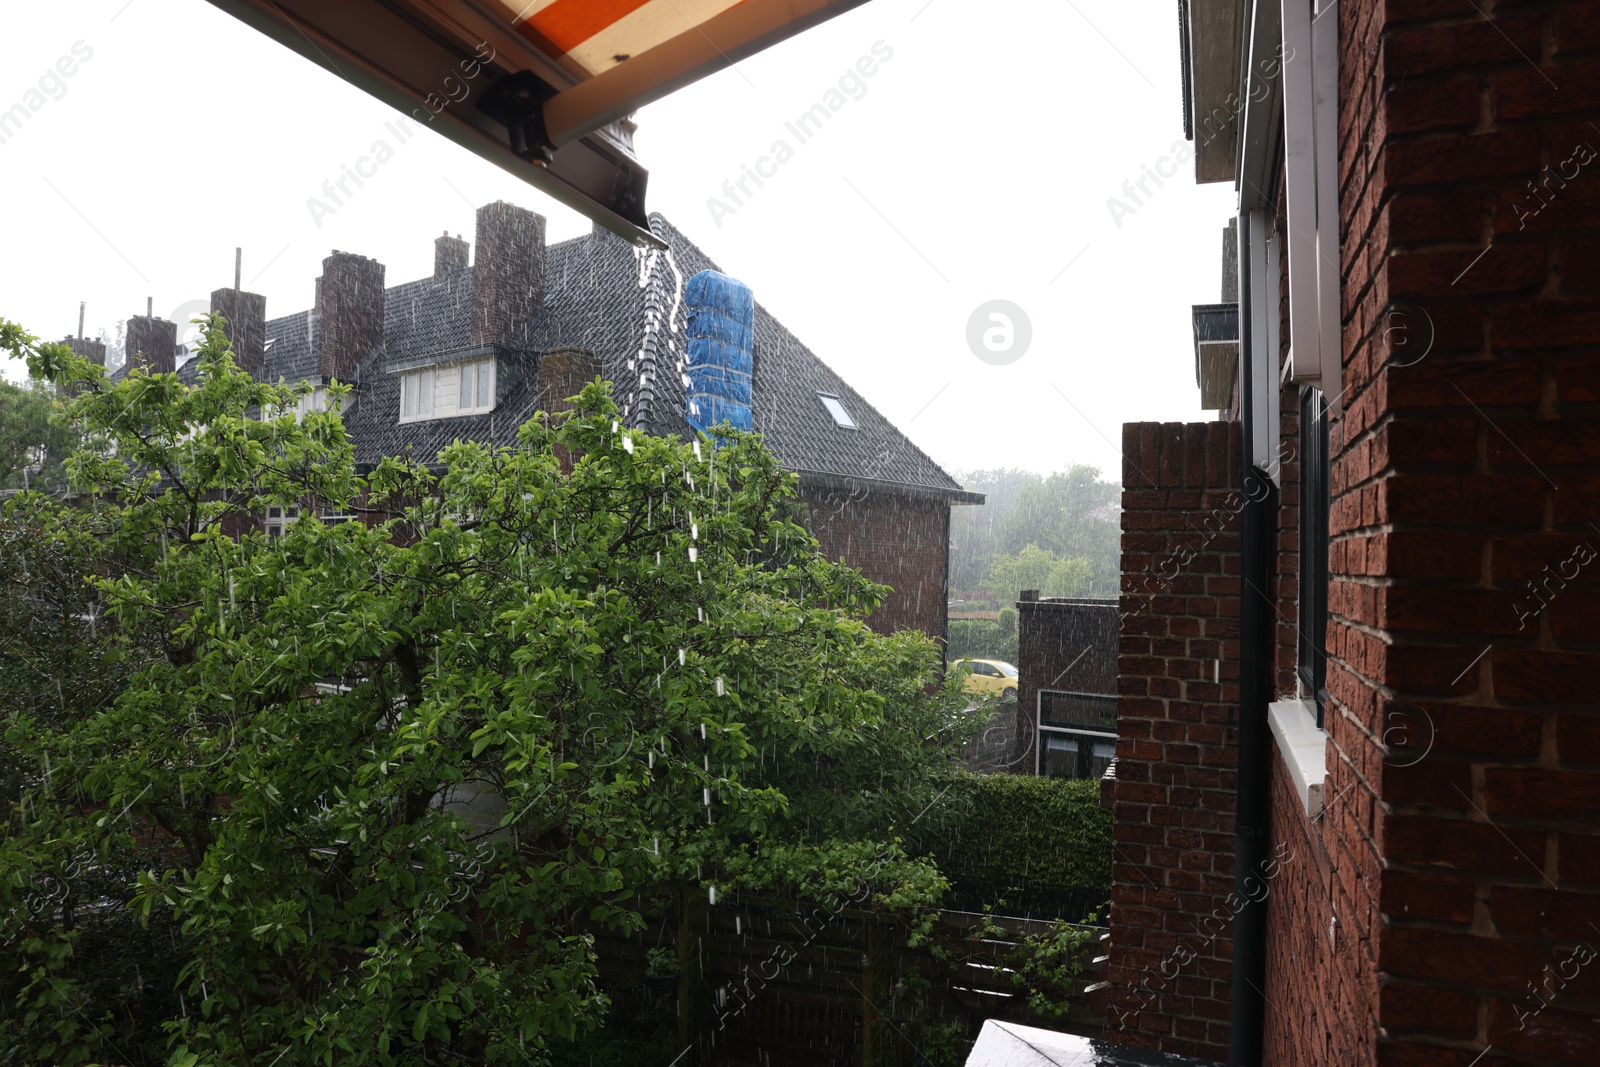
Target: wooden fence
771	983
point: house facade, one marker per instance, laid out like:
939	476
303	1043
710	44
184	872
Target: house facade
1357	789
518	324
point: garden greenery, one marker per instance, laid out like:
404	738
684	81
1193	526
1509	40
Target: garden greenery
371	781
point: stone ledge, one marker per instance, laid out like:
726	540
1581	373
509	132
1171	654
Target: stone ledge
1304	750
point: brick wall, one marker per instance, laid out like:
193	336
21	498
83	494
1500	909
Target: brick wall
1062	643
1172	864
894	538
1458	861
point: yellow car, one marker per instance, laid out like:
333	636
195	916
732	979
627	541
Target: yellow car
989	677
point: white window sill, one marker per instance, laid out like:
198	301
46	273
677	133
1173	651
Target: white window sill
441	416
1304	749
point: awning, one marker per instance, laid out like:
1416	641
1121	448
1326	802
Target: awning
543	88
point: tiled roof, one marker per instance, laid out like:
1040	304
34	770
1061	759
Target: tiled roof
624	304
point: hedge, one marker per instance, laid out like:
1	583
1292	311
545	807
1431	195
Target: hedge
1024	844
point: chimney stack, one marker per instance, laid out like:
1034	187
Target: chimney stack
508	274
350	301
563	372
93	351
449	254
152	343
246	315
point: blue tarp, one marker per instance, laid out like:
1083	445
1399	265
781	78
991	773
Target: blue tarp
721	334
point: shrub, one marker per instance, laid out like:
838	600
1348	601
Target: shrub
1041	845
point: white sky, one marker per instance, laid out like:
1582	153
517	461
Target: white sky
975	167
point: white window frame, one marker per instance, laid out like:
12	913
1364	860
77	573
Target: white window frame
417	387
476	377
1311	177
420	390
841	414
279	518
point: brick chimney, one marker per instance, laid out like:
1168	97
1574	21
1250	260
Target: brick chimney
508	275
349	314
247	326
152	343
91	350
449	254
563	372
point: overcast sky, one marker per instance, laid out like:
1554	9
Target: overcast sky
974	164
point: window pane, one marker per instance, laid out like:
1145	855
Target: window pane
408	395
485	399
1060	756
465	400
1089	710
837	410
1313	614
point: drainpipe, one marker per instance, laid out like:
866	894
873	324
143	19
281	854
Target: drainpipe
1255	631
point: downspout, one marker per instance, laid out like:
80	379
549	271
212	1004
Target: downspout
1255	746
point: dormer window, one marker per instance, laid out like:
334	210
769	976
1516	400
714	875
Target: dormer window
841	417
443	392
476	387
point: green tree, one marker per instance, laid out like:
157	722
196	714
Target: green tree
32	444
975	530
1071	514
1037	568
398	768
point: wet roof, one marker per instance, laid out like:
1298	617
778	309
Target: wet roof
624	304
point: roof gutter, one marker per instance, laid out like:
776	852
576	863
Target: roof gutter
851	481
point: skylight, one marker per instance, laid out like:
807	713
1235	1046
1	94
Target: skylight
836	409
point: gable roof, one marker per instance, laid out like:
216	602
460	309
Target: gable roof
624	304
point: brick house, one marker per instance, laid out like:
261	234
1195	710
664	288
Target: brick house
1357	799
472	351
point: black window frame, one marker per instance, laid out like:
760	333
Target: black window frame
1311	652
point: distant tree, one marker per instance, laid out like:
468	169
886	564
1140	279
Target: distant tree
1037	568
32	445
397	770
1071	514
975	529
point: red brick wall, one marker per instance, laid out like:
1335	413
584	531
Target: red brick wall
1172	864
1459	860
900	540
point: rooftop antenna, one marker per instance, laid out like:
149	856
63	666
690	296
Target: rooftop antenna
238	263
80	319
